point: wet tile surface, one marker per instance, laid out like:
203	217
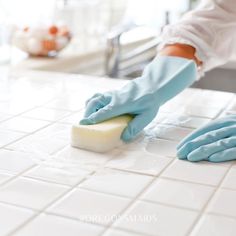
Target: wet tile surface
49	188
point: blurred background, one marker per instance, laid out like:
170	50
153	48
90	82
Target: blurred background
113	38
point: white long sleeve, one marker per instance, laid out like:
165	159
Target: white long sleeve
211	29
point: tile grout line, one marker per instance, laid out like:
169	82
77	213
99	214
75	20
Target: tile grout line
27	110
189	181
90	175
43	127
155	177
51	123
57	120
134	200
16	176
221	215
21	174
54	201
71	188
203	211
230	102
41	211
76	186
219	184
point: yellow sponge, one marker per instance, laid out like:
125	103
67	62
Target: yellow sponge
100	137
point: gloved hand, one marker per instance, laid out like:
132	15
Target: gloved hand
162	79
215	142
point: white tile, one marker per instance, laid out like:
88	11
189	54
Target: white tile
8	136
215	225
230	179
14	108
210	98
40	146
218	96
232	107
201	111
46	114
116	232
160	117
177	193
4	116
137	144
226	113
15	162
155	219
202	172
22	124
140	162
162	147
57	172
73	119
49	225
12	217
84	159
181	97
117	182
4	177
90	206
63	98
57	130
223	203
72	103
186	121
169	107
30	193
169	132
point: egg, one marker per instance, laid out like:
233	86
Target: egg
64	31
42	40
53	30
34	46
49	45
61	42
37	32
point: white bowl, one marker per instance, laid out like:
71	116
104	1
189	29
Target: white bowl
42	41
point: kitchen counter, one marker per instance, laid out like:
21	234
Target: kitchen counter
140	189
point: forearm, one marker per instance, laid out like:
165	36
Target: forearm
180	50
209	30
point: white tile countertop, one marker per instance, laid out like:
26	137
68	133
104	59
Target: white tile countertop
140	189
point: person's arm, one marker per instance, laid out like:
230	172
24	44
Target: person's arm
209	30
207	36
180	50
202	38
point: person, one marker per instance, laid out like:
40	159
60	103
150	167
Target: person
203	39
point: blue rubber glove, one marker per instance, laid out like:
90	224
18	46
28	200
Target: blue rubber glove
162	79
215	142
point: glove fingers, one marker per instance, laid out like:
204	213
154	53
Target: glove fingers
96	104
214	125
104	113
204	152
226	155
205	139
94	96
136	125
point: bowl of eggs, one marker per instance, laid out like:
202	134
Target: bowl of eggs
42	41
